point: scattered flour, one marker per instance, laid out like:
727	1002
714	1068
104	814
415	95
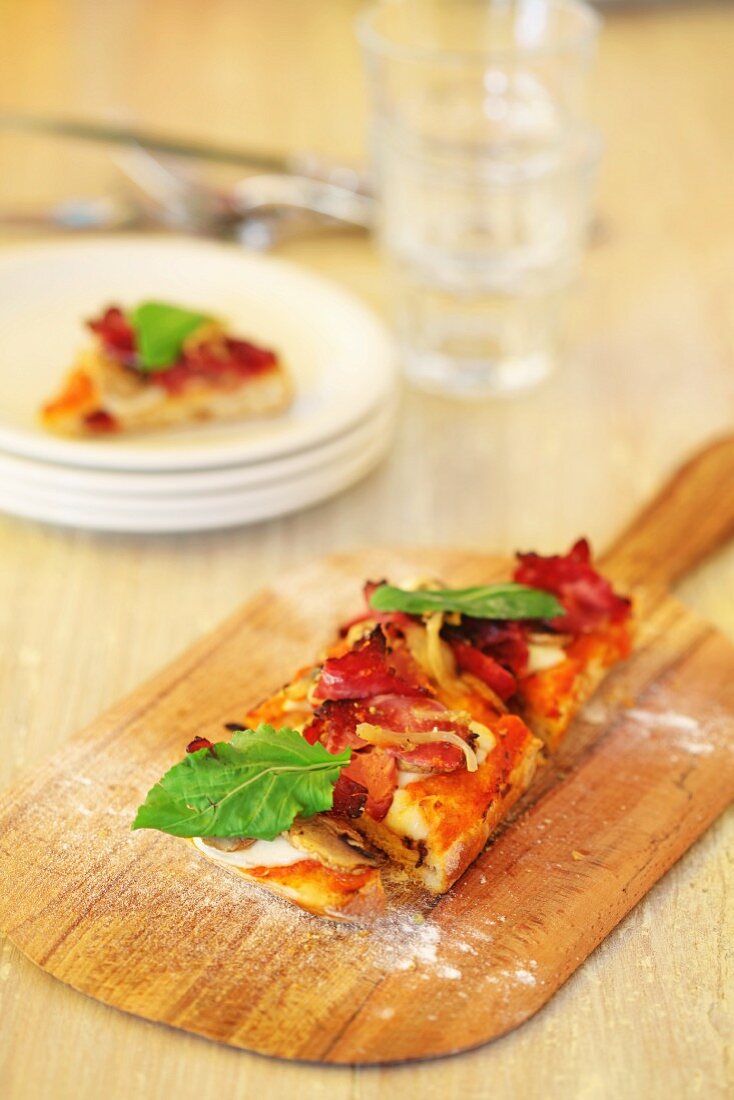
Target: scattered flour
665	719
686	733
401	944
596	712
695	748
522	975
184	911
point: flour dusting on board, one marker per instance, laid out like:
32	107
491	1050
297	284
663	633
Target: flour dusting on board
200	897
411	942
404	943
684	733
146	923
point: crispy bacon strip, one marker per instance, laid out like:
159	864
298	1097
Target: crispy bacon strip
335	724
199	743
589	599
377	772
437	756
215	359
485	668
349	796
101	421
395	618
115	332
402	714
506	642
363	672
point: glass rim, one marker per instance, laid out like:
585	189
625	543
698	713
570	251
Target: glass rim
377	43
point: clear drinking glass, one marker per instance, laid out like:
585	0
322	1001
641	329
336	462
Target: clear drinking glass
485	166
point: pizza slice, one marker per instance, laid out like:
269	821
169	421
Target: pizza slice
436	759
253	805
159	366
409	737
421	669
547	669
320	864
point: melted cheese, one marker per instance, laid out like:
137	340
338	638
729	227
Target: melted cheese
405	778
263	853
405	817
542	657
484	743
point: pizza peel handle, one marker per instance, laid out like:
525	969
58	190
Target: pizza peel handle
688	519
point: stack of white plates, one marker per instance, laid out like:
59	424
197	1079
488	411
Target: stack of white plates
338	428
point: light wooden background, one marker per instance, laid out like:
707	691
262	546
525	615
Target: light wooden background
649	374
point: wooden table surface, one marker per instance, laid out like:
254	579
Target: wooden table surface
648	375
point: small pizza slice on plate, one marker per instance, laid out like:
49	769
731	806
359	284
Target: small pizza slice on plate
159	366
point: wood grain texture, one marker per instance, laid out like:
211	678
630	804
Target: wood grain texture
684	523
143	923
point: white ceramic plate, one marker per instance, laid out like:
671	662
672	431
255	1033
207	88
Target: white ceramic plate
340	355
199	513
109	486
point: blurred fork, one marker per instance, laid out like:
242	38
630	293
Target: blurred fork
259	209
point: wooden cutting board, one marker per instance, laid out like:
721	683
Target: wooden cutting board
142	922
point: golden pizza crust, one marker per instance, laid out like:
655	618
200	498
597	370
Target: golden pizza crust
549	700
99	385
439	823
437	826
320	890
